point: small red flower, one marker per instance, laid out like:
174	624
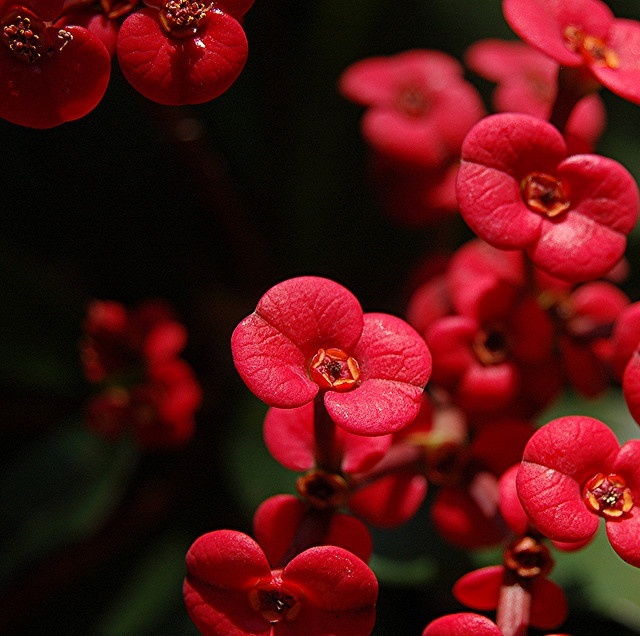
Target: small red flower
231	590
518	189
178	52
308	336
527	83
582	34
419	107
49	74
574	472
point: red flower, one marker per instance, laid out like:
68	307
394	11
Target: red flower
419	105
582	34
573	472
278	524
50	74
179	52
231	590
518	189
308	336
527	83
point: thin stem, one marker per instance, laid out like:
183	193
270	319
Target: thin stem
573	85
514	607
328	454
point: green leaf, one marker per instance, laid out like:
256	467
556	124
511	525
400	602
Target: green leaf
58	491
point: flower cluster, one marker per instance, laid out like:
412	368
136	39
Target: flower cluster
56	59
499	327
142	386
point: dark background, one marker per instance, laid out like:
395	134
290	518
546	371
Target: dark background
207	207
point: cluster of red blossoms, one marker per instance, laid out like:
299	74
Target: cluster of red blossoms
55	61
142	387
530	307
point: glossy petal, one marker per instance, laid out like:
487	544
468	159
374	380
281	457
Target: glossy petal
64	87
480	589
333	579
178	71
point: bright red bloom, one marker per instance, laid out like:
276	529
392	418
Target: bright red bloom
50	74
180	52
231	590
527	83
573	472
480	590
308	336
582	34
419	107
518	189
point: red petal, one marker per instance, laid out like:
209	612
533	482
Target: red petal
333	579
480	589
64	87
549	606
177	71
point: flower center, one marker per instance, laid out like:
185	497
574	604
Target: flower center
528	558
490	347
607	495
117	8
27	38
544	194
334	369
412	101
592	49
274	603
181	18
322	489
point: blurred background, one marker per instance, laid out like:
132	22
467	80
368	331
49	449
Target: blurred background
207	207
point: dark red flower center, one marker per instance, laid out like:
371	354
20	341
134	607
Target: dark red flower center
527	558
545	194
490	346
607	495
274	603
181	18
334	369
412	101
28	38
592	49
322	489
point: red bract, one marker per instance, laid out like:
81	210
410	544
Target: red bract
419	105
583	34
183	51
574	472
518	189
527	83
308	336
50	74
283	522
231	590
462	624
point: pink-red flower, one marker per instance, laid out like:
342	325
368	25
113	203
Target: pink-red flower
419	106
179	52
575	472
462	624
518	189
582	34
308	336
48	74
231	590
527	83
